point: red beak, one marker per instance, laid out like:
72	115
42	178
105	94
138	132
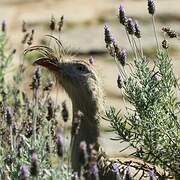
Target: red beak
48	63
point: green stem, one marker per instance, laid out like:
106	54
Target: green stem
50	138
11	137
35	111
131	43
141	48
120	69
135	47
154	28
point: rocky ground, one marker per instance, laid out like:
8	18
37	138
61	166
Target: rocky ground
83	33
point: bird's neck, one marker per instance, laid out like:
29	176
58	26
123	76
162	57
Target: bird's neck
89	126
89	121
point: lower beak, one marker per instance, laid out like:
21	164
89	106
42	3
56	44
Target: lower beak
48	63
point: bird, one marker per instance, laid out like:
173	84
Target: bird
81	82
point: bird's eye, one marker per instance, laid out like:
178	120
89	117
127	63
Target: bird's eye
81	68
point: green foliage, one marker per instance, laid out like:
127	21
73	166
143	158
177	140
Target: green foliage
151	123
4	59
151	126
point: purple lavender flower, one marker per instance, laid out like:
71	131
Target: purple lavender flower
34	164
115	170
24	172
152	174
34	157
170	32
119	82
24	40
9	115
116	48
60	23
113	41
108	37
64	112
52	24
50	109
24	28
83	154
59	144
93	169
122	56
127	174
137	30
19	151
91	60
14	128
75	126
130	26
115	167
3	26
157	77
122	17
36	78
151	7
30	40
165	44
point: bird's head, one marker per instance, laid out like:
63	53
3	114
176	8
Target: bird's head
75	76
78	78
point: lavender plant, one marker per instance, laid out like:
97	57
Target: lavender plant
151	122
29	137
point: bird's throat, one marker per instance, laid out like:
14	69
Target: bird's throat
88	128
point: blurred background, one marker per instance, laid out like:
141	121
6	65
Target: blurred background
83	34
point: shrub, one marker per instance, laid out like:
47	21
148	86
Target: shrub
150	92
29	127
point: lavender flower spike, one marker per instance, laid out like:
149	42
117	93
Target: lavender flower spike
3	26
116	170
60	24
52	24
130	26
122	56
137	30
152	174
9	115
119	82
83	154
59	144
34	165
122	17
115	167
93	169
107	34
64	112
116	48
91	60
14	128
24	172
151	7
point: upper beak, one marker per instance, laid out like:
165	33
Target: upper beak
51	64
